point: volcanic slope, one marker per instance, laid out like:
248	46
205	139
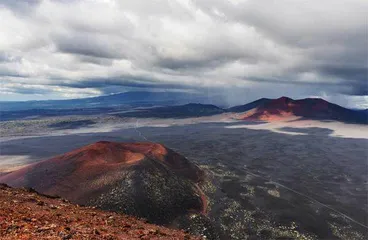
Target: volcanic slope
309	108
142	179
25	214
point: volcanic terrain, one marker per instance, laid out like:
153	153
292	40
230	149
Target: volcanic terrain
309	108
303	177
25	214
142	179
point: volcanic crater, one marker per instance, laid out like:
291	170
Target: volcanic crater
146	180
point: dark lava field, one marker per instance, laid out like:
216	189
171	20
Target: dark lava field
260	184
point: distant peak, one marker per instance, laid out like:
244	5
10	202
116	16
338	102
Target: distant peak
136	144
283	98
315	99
103	142
196	103
199	105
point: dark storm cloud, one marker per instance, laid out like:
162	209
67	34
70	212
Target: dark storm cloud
351	74
328	33
123	81
19	5
188	64
211	54
90	46
211	58
357	90
346	76
23	90
95	60
82	45
4	72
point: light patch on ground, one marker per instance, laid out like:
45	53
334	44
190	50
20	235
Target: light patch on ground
273	192
9	163
339	129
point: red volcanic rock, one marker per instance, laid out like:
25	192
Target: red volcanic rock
26	214
310	108
143	179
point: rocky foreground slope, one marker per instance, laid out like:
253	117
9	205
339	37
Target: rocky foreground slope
25	214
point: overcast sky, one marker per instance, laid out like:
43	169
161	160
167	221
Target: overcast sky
239	49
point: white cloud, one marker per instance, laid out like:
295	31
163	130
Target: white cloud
306	46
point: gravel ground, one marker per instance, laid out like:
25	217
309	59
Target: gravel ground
28	215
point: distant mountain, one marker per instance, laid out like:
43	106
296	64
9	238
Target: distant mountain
181	111
248	106
41	113
130	99
175	105
309	108
176	111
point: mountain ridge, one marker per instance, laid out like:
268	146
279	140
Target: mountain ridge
175	105
307	108
134	98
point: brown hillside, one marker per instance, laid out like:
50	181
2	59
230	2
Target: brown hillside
143	179
26	214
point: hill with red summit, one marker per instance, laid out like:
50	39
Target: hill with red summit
146	180
309	108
